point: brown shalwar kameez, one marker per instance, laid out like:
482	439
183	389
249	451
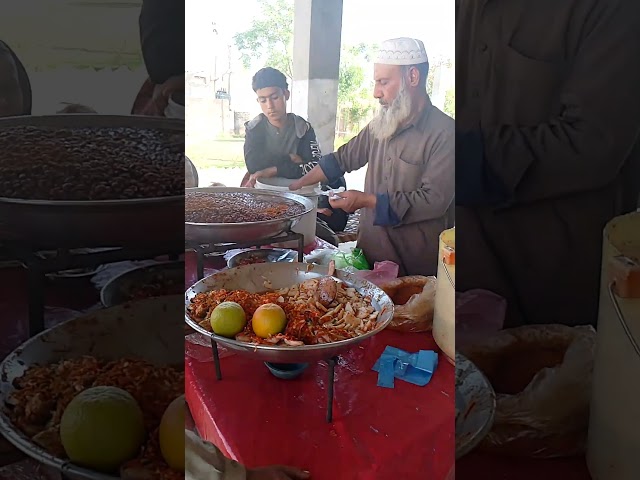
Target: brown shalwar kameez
552	87
414	172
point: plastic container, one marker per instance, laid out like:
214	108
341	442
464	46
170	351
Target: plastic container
614	437
444	313
307	223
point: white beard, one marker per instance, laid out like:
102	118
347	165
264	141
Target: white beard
390	118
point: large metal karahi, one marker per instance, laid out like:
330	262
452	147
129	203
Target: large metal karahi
106	223
217	233
265	276
110	334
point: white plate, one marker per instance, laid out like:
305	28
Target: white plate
476	401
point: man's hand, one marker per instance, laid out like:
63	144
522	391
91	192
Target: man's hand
315	176
297	185
266	173
162	94
277	473
325	211
353	200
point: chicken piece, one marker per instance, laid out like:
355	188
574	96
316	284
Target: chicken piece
327	290
327	287
242	337
38	408
200	310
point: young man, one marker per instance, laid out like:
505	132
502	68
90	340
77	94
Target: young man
281	144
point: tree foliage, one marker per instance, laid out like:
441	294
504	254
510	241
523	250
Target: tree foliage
450	103
355	87
270	37
269	42
434	65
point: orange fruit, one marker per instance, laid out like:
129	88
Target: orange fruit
268	320
172	434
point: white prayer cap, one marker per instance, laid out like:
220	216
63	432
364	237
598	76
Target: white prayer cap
402	51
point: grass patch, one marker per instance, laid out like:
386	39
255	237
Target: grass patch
215	153
225	151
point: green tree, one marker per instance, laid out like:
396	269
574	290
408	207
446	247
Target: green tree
269	40
435	65
355	85
450	103
270	37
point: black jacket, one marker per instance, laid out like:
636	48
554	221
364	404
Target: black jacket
308	149
162	32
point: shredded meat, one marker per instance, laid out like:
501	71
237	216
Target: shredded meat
44	391
308	321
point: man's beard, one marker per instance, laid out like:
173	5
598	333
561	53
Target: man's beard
390	118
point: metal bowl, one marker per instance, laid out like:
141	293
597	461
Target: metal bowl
111	334
107	223
120	288
265	276
207	233
266	254
476	401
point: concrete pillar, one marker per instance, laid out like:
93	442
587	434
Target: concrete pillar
317	32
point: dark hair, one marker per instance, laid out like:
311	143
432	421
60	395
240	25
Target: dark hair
423	69
269	77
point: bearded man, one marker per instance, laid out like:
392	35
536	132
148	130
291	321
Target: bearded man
409	148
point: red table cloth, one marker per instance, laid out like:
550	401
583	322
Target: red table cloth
377	434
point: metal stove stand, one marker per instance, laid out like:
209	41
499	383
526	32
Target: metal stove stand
220	248
38	267
331	364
